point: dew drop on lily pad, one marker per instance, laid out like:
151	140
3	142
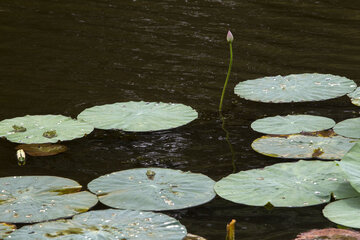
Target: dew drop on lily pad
138	116
153	189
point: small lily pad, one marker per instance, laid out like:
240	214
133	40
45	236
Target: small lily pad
6	229
348	128
106	224
295	184
43	129
350	164
300	146
28	199
355	97
153	189
45	149
329	234
138	116
291	124
295	88
345	212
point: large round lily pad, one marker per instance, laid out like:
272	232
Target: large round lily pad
43	129
301	146
355	97
291	124
106	224
345	212
350	164
295	88
348	128
28	199
138	116
295	184
6	229
153	189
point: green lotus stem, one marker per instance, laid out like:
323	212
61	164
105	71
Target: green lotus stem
229	39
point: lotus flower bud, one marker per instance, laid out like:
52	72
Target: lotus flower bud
229	37
21	157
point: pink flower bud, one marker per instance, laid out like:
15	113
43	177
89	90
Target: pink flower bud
229	37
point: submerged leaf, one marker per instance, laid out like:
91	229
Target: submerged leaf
329	234
45	149
295	184
295	88
138	116
164	189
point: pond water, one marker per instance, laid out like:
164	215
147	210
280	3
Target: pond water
62	56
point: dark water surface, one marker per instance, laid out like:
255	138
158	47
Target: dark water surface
60	57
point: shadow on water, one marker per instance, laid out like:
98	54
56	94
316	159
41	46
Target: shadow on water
60	57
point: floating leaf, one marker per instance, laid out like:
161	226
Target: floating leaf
28	199
291	124
54	127
345	212
295	184
6	229
106	224
301	146
329	234
355	97
45	149
348	128
166	189
350	164
139	116
295	88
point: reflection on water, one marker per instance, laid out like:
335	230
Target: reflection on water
61	57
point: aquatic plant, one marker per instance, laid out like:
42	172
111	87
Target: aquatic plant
230	39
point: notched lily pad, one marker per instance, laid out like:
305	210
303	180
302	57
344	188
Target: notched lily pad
295	88
153	189
6	229
303	146
138	116
45	149
43	129
291	124
295	184
345	212
329	234
106	224
348	128
28	199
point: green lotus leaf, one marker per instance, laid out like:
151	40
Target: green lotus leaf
293	184
6	229
106	224
138	116
350	164
291	124
345	212
153	189
348	128
355	97
43	129
300	146
295	88
28	199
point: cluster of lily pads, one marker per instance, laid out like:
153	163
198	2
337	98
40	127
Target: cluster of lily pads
133	194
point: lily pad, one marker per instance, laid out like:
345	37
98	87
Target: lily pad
300	146
348	128
138	116
350	164
295	184
329	234
345	212
106	224
43	129
295	88
153	189
28	199
6	229
44	149
291	124
355	97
